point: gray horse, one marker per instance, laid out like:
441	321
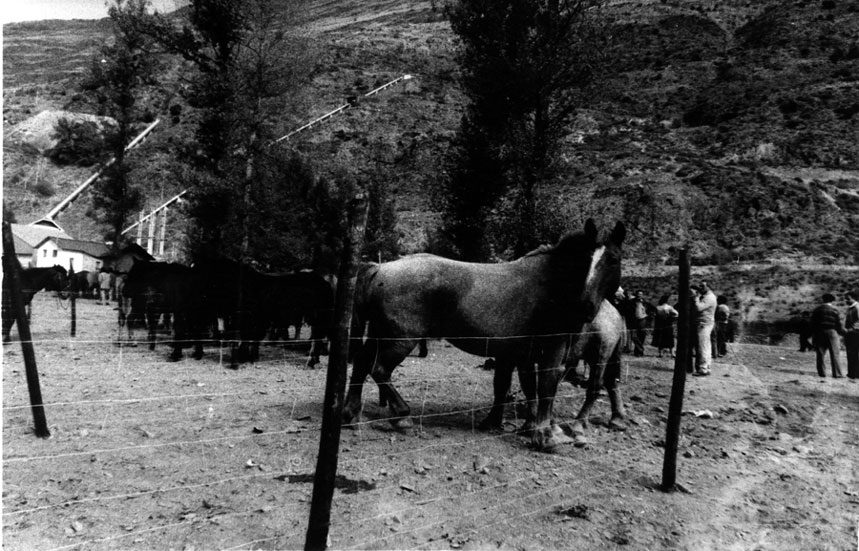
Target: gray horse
599	344
521	313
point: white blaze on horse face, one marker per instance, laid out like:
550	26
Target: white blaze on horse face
595	260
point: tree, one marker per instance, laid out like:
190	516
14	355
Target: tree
248	62
118	77
525	64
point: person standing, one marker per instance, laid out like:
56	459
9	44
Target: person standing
104	286
705	317
722	316
826	323
851	334
640	312
663	326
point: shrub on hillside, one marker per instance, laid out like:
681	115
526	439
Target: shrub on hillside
79	143
44	188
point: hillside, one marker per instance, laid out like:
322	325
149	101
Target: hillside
730	127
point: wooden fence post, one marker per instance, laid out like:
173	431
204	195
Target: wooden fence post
73	295
335	382
675	406
11	269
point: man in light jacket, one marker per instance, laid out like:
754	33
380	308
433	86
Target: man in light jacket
705	315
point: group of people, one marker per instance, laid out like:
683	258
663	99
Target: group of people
826	332
709	324
711	330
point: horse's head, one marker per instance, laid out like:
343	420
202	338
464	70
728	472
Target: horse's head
58	280
593	268
603	278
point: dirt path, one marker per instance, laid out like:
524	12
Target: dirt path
147	454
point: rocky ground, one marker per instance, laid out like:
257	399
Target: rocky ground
723	127
146	454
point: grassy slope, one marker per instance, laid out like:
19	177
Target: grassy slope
723	126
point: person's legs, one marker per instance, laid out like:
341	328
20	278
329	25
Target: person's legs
851	342
820	348
835	352
704	348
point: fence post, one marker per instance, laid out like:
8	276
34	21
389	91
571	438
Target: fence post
73	295
335	382
11	270
675	406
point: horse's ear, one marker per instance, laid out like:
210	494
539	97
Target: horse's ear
618	234
591	230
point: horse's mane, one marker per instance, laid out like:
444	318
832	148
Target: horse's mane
565	241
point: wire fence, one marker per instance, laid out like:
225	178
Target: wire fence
233	451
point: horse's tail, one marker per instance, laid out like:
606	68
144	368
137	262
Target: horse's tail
360	305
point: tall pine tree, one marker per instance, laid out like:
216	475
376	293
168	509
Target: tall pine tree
524	65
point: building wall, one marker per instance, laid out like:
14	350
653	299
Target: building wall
26	260
49	254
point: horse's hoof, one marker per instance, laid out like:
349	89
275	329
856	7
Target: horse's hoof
579	440
312	363
402	423
349	418
527	428
549	439
490	423
617	424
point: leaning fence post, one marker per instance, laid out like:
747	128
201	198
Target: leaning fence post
73	294
11	269
675	406
335	382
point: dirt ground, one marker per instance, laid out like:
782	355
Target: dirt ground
146	454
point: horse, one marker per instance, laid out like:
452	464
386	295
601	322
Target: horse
297	297
518	312
600	344
253	303
157	289
85	283
32	281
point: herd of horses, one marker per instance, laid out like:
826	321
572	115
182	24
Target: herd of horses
537	315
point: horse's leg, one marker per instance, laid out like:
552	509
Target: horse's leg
592	392
391	354
363	359
611	380
547	435
8	321
500	386
315	344
152	322
528	384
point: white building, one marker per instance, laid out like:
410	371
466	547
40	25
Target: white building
40	246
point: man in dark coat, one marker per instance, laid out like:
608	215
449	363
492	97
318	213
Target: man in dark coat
826	323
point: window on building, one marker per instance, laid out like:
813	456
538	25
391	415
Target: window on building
45	253
55	254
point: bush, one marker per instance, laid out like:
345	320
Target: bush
79	143
44	188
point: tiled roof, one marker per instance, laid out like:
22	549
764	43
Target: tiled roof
21	246
33	235
91	248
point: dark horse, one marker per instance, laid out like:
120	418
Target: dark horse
252	303
297	297
157	289
33	280
521	313
600	345
86	283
